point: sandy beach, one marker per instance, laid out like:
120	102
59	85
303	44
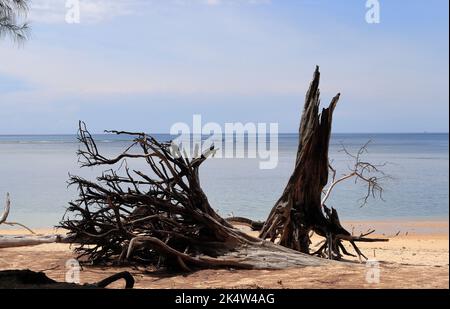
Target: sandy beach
416	256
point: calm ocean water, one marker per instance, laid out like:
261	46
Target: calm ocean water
35	171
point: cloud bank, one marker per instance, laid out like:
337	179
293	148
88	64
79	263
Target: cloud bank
96	11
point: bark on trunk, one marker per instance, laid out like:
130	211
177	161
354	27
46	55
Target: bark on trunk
299	211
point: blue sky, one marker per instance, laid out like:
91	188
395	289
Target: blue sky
144	65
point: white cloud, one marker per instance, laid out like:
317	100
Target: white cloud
212	2
260	1
58	73
218	2
91	11
95	11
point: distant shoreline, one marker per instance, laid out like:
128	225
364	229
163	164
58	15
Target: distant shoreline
280	133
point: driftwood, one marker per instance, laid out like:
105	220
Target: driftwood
300	210
11	241
254	225
5	215
160	216
27	279
361	171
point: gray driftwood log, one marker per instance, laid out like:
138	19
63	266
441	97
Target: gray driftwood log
11	241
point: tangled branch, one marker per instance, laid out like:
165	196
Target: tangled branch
370	174
5	215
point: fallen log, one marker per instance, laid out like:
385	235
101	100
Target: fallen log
12	241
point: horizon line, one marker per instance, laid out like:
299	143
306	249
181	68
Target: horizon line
161	133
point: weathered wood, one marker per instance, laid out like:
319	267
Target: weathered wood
169	221
164	221
258	255
5	215
254	225
11	241
301	208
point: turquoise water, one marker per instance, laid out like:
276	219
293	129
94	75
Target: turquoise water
35	171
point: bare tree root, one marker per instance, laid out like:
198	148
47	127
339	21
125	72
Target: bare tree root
160	216
254	225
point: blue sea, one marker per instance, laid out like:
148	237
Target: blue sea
35	169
